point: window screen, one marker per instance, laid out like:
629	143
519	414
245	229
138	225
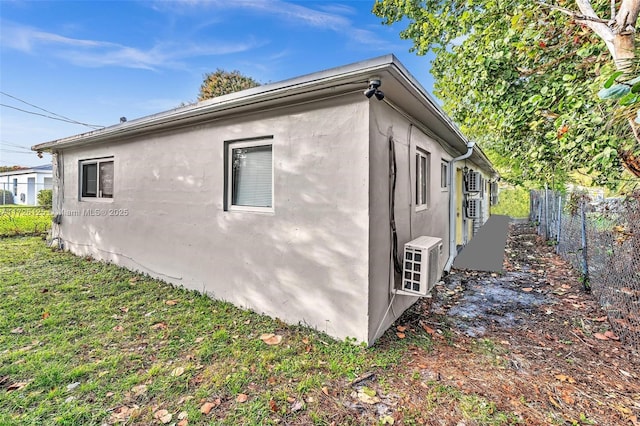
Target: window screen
252	176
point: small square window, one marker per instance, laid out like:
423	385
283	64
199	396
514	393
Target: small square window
250	175
96	178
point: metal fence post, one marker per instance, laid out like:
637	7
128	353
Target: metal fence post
585	260
559	223
546	212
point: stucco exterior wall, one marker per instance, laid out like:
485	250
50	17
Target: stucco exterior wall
410	222
307	262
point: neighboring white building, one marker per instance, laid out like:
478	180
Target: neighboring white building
289	198
25	184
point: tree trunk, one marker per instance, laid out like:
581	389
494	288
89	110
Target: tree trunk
619	36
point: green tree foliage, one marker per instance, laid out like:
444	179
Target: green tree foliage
222	82
522	78
45	198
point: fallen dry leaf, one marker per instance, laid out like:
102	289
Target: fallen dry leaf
565	378
273	406
600	336
17	386
121	414
567	397
46	315
139	390
527	289
611	335
305	341
325	390
207	407
242	397
178	371
17	330
183	422
297	406
124	309
401	328
118	328
182	415
600	319
271	339
159	326
163	415
171	302
428	329
367	395
400	335
199	339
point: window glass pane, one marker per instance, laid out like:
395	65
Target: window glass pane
418	178
252	176
106	179
443	175
89	180
423	180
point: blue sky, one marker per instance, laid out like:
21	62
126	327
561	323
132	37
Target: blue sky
97	61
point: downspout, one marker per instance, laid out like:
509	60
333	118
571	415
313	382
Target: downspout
452	204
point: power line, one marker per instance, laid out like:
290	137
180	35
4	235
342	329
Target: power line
53	118
61	117
13	145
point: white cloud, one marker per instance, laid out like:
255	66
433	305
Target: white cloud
96	53
331	16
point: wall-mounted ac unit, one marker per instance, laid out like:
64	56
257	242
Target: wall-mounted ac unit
472	183
421	266
494	193
474	209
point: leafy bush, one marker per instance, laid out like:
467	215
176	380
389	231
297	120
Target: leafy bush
512	202
6	197
45	197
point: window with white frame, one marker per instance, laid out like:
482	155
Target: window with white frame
96	178
422	178
444	175
250	175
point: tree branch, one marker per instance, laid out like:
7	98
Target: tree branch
574	14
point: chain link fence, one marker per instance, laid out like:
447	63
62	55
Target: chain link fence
601	239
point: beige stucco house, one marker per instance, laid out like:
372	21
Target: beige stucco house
285	198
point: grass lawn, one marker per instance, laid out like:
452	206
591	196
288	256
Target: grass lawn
24	220
512	202
84	342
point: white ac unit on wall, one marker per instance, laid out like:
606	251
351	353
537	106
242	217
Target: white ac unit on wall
474	209
421	266
473	183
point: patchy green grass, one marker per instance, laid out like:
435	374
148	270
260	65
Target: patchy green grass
84	342
512	202
24	220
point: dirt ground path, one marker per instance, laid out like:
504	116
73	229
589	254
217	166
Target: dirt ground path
529	341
